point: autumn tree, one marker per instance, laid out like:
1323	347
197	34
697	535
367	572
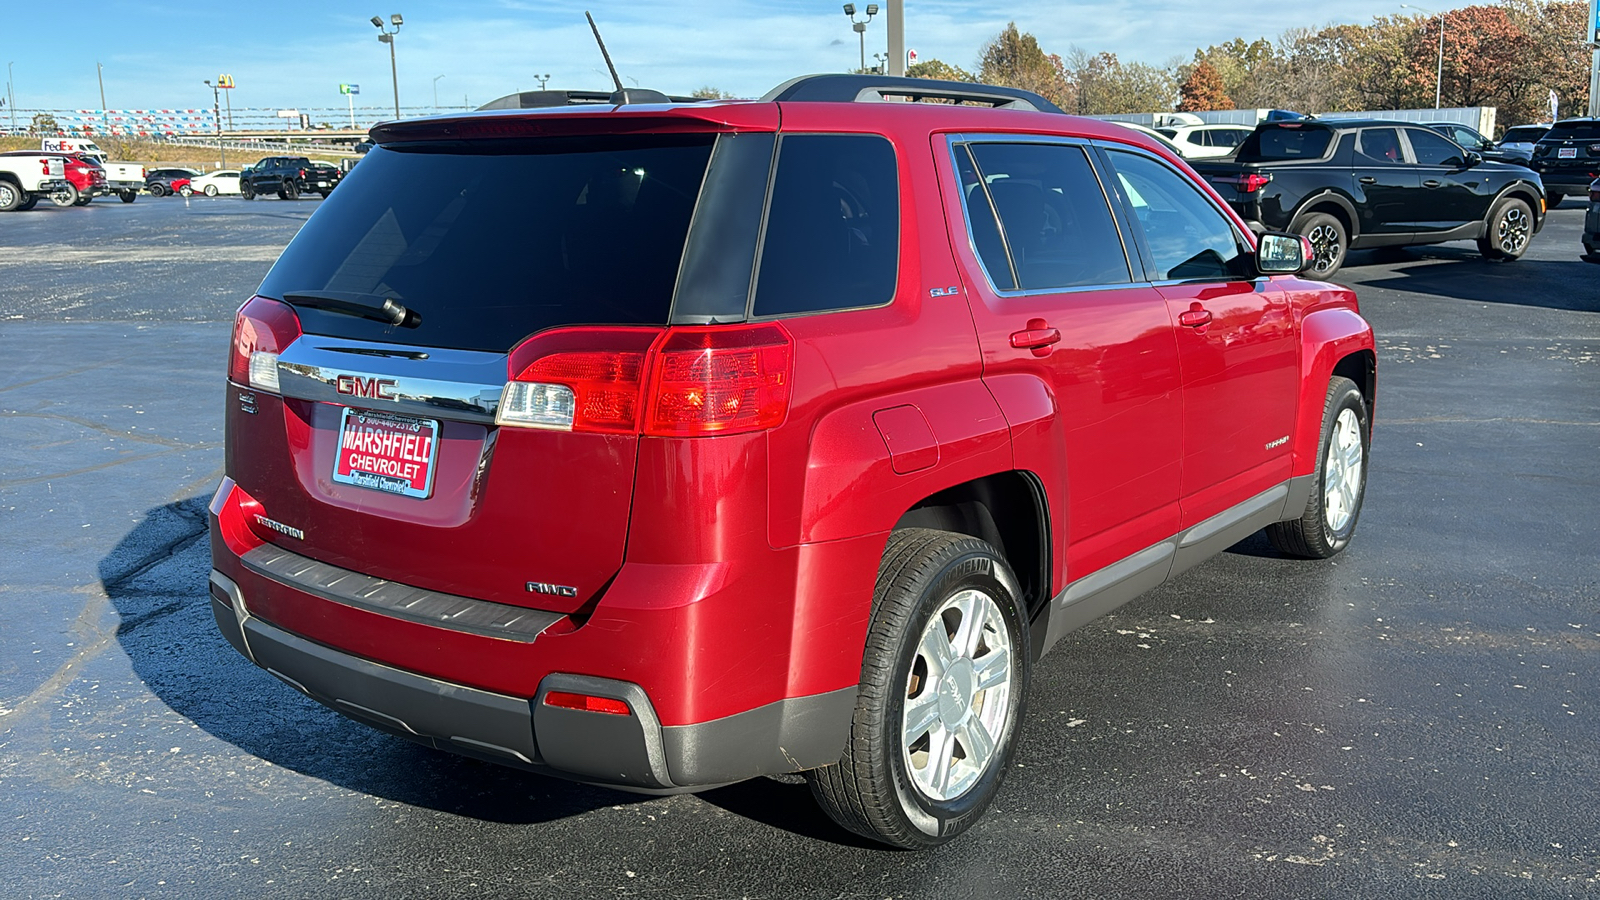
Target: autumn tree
1013	59
938	70
1101	84
711	93
1203	90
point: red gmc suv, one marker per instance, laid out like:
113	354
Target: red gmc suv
762	437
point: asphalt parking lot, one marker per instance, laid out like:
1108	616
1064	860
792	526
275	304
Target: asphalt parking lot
1417	718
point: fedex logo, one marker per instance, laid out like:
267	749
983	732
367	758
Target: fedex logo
358	386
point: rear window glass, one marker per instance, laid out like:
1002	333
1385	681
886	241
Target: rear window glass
1574	131
833	226
1523	135
1269	143
490	241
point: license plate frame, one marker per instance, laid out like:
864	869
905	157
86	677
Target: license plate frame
1566	153
355	465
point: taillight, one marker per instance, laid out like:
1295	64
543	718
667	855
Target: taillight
1594	192
262	329
578	379
45	163
685	382
302	173
1247	183
719	380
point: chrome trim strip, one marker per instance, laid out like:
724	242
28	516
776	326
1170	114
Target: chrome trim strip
461	385
390	598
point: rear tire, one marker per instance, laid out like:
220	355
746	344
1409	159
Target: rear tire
1329	520
290	191
83	200
211	190
1507	231
1553	200
1329	243
943	681
157	190
66	197
128	196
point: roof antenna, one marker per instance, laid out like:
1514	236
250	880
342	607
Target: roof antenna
622	96
603	52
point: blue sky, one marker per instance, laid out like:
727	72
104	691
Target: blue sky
156	54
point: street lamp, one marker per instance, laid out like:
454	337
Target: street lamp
883	62
543	79
436	90
216	116
387	37
860	26
1438	81
11	94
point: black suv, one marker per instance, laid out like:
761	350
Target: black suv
1347	184
159	181
1567	158
288	177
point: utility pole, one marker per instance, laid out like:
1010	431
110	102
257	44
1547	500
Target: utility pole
11	92
1591	37
896	13
436	92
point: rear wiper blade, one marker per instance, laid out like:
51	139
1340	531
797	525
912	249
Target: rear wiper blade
366	306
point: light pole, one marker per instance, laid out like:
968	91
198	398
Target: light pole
543	80
99	72
436	90
387	37
860	26
11	93
1438	81
216	116
883	62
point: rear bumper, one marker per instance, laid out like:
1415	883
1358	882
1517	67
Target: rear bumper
511	726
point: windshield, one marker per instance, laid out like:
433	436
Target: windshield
490	241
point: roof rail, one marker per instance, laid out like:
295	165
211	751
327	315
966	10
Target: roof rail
542	99
880	88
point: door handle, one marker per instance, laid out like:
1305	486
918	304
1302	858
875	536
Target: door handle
1367	179
1036	336
1430	183
1195	317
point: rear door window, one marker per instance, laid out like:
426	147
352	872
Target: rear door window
833	226
1379	146
489	241
1432	149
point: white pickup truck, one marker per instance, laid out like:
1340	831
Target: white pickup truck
26	177
125	179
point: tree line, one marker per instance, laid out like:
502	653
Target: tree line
1509	55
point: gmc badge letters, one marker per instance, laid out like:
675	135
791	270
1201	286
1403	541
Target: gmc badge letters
357	386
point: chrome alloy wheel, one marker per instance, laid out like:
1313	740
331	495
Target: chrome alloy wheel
1341	472
1324	247
1512	230
957	695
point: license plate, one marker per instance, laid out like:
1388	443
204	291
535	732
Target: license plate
386	452
1567	153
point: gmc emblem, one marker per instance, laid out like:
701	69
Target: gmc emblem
356	386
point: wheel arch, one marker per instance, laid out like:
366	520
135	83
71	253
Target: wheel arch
1524	191
1336	342
1006	509
1333	203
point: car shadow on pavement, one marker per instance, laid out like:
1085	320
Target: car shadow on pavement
156	578
1476	279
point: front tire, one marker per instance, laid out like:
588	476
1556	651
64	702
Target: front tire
157	190
943	681
1553	200
1329	520
11	196
1508	230
1329	243
246	191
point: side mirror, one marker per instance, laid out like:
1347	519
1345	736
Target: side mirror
1283	254
1473	158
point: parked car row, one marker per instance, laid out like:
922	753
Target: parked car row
84	173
